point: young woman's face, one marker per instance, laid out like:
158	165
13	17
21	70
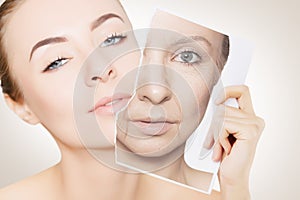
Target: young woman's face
179	71
48	43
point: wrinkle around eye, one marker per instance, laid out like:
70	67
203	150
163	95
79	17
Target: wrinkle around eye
194	57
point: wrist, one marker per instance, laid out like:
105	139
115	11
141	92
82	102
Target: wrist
235	191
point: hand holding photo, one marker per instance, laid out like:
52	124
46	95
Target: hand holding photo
162	129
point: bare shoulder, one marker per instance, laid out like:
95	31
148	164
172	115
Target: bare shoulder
34	187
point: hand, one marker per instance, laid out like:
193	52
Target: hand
235	133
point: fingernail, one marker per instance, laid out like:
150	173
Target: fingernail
204	153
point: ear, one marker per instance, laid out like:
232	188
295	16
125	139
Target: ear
22	110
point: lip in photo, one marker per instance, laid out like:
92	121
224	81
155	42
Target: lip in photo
110	105
153	128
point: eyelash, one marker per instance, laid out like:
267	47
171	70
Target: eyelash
114	36
198	57
51	67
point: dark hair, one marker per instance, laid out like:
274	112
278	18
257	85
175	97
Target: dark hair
8	84
224	52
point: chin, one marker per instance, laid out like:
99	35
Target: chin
153	148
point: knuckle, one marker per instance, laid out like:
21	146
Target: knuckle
244	88
254	131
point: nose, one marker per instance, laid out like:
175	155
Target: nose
154	94
152	80
99	67
94	75
109	73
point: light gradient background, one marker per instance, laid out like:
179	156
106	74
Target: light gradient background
274	29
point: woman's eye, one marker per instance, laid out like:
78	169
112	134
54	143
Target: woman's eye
56	64
188	57
112	40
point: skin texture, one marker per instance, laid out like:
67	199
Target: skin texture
159	94
166	81
79	175
171	98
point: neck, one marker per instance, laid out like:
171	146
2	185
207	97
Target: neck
86	175
174	171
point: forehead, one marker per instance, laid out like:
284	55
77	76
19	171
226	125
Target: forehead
33	12
164	20
34	20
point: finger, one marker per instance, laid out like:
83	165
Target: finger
217	152
210	138
215	127
208	143
243	129
224	141
241	93
222	111
236	115
236	129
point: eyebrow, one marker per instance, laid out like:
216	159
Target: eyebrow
47	42
54	40
102	19
191	39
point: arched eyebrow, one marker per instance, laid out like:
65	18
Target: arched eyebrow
47	41
102	19
53	40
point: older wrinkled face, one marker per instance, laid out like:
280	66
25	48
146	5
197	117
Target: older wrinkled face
48	43
174	85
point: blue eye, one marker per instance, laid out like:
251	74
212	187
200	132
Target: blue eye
112	40
56	64
187	57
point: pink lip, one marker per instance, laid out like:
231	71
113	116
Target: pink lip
110	105
153	128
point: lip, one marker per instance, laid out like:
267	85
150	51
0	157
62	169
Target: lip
153	128
110	105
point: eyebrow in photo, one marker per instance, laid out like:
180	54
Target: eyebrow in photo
54	40
191	39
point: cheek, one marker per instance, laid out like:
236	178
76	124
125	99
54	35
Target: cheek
203	98
202	95
193	112
50	97
200	87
